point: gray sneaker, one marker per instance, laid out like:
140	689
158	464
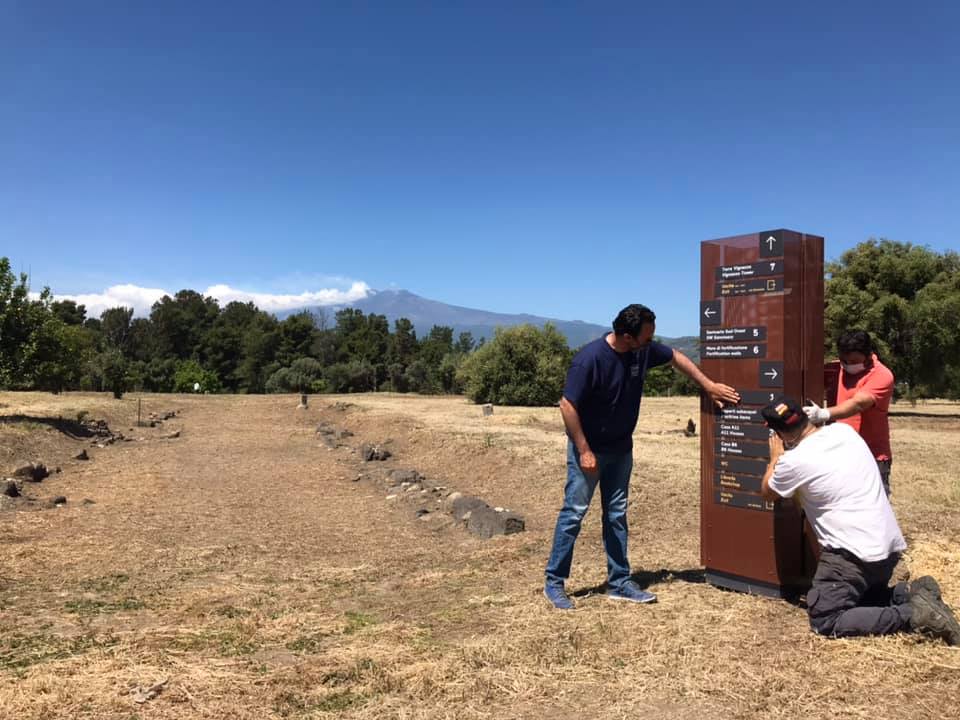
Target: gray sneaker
631	592
558	597
932	616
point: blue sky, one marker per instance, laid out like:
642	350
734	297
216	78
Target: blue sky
562	159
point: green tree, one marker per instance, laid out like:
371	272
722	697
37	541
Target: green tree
190	373
401	353
180	323
222	347
69	312
437	343
260	341
465	343
364	341
60	354
296	336
16	326
522	365
114	368
304	375
115	327
906	297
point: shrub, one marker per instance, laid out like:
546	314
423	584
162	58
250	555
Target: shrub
189	373
304	375
522	365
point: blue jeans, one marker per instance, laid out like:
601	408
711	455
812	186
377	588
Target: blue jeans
613	475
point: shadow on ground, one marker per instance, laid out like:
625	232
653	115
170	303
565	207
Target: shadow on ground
71	428
646	578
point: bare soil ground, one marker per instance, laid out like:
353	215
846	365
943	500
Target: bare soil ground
245	565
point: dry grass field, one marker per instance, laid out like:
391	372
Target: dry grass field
245	566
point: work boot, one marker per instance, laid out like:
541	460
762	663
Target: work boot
930	615
928	585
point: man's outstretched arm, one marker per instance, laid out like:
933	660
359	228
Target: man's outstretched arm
720	394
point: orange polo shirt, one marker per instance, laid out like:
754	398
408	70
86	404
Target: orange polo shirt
872	423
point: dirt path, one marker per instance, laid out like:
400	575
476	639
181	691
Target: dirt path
242	563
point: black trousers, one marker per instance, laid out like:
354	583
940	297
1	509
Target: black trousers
884	467
851	597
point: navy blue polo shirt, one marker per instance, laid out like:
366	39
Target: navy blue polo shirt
606	388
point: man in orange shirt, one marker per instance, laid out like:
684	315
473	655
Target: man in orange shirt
863	398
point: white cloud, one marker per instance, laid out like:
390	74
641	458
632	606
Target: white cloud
141	299
274	303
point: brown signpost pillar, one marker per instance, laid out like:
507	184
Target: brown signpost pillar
761	331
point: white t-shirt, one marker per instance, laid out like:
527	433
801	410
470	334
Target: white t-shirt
837	481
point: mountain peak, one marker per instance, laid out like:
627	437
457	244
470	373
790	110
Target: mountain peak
424	313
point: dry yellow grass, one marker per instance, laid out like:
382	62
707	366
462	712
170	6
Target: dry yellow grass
241	563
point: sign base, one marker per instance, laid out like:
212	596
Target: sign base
753	587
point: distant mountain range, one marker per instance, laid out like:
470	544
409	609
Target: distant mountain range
425	313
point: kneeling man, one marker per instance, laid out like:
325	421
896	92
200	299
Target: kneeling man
833	473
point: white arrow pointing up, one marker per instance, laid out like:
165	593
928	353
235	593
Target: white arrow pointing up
771	241
772	373
709	311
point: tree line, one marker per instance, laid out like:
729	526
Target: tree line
906	296
188	339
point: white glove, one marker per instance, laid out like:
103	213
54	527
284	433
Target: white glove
817	414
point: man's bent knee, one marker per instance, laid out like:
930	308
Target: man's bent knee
823	617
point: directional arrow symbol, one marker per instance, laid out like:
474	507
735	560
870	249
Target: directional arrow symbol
771	374
771	241
711	312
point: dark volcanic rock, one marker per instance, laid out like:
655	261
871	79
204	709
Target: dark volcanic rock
34	472
483	520
401	476
373	452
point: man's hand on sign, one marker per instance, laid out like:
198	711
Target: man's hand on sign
722	394
817	414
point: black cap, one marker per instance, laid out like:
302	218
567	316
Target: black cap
784	414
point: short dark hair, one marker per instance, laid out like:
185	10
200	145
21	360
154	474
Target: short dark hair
632	318
855	341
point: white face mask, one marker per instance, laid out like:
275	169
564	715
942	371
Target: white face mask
854	369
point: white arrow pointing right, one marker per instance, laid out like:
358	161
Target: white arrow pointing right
772	373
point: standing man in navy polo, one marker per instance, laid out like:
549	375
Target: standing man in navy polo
600	407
